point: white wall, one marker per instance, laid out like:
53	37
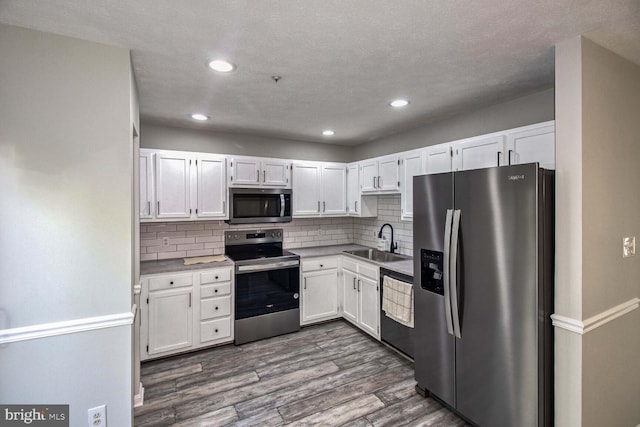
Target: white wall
65	219
534	108
597	374
173	138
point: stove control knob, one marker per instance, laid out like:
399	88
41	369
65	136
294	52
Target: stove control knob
235	236
273	234
279	234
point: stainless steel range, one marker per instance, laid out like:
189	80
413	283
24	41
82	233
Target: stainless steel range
267	300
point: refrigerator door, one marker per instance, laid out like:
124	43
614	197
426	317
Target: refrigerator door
434	346
497	271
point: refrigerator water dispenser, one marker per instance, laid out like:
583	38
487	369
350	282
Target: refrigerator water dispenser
431	271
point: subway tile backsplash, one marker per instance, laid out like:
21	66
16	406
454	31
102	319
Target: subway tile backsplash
200	238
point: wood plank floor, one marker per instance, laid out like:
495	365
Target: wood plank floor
330	374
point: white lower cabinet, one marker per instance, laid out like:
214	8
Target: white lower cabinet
170	320
185	311
320	293
361	295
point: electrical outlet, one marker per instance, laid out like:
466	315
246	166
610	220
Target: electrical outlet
628	246
165	242
98	416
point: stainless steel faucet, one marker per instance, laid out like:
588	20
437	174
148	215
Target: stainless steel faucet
393	246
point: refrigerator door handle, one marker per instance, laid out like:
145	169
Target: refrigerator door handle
445	273
453	273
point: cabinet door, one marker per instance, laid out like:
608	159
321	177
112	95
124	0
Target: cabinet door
389	173
411	164
438	159
275	173
212	187
319	296
532	145
244	171
334	188
306	189
368	306
170	320
146	184
479	153
172	181
350	295
369	176
353	190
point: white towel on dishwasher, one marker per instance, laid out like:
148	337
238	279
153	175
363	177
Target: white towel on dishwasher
397	300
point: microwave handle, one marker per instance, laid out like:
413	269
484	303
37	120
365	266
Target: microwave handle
281	204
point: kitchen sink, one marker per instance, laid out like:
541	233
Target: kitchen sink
376	255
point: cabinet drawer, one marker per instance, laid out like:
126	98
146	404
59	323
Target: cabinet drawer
215	307
214	330
215	276
215	290
169	282
319	264
369	271
349	264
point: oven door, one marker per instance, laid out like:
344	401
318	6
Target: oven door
267	288
250	205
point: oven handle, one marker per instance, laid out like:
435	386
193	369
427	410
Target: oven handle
281	204
265	267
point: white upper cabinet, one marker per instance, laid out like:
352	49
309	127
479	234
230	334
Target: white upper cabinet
411	164
334	189
478	153
306	189
319	189
211	186
357	204
173	184
146	184
276	173
438	158
534	143
259	172
380	175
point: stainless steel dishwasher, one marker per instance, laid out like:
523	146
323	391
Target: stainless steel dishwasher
393	333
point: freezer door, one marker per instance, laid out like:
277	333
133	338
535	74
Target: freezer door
497	353
434	346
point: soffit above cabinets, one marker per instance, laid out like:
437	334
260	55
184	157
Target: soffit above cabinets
339	63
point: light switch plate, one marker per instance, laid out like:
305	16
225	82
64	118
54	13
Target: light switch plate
628	246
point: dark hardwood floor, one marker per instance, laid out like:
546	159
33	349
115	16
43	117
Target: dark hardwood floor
329	374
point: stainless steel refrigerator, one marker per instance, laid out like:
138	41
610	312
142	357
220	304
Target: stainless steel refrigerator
483	289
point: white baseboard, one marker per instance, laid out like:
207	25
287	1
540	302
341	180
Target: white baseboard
138	399
593	322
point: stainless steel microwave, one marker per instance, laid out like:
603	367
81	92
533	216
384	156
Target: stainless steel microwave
259	205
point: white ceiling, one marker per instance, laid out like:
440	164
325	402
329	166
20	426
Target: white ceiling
341	61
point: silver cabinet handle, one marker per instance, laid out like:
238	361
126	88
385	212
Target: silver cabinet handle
305	283
354	283
224	206
264	176
379	182
445	272
356	205
454	266
499	152
189	299
324	206
358	285
149	208
318	205
509	161
257	175
158	212
374	182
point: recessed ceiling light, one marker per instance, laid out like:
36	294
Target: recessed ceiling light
328	132
221	66
397	103
200	117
